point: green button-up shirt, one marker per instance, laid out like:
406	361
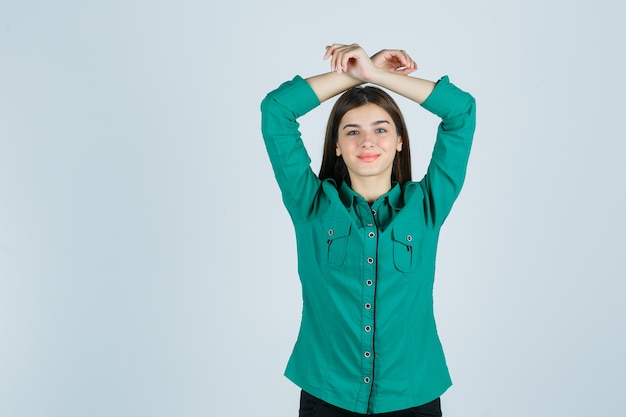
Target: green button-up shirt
368	341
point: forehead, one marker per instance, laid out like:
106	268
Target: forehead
366	114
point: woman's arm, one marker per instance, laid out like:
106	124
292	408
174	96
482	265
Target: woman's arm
330	84
358	68
386	69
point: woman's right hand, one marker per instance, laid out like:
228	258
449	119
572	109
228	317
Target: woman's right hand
394	60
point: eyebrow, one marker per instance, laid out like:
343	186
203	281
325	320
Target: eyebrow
376	123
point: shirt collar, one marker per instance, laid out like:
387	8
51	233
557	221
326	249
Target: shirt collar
347	195
393	196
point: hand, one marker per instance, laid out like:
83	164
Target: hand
351	59
395	61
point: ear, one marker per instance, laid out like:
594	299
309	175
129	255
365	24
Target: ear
399	145
337	150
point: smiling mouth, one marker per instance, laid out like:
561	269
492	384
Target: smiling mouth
368	158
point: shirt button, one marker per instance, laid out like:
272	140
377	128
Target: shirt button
373	212
366	379
368	306
370	260
371	234
368	328
370	224
331	232
369	282
367	354
409	238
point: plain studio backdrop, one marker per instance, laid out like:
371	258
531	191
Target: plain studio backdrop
147	265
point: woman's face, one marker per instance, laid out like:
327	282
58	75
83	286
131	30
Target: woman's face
368	142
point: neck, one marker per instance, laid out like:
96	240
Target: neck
370	188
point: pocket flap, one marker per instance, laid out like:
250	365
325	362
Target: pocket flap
405	234
336	228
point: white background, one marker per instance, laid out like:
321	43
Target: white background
147	265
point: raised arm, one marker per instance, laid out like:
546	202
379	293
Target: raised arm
351	66
330	84
387	69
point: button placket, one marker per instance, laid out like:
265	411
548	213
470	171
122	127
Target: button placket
370	254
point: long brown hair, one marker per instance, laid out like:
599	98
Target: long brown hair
333	166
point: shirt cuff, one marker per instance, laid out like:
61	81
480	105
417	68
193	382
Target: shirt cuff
297	95
446	99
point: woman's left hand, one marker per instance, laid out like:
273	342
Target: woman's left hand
351	59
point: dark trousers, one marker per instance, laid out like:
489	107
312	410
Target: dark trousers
311	406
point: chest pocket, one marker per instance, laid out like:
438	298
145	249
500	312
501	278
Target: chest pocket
407	247
336	232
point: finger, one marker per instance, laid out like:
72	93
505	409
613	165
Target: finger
341	56
402	58
326	52
330	53
409	61
338	57
335	51
334	62
349	54
405	71
330	50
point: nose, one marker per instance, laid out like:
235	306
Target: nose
368	140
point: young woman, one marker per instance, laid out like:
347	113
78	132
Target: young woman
367	234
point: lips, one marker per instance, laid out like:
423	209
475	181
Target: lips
368	157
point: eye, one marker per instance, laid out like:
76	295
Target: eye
353	132
381	130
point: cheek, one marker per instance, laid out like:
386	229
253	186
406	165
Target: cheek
342	147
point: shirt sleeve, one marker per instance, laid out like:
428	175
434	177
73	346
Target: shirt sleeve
290	161
446	171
